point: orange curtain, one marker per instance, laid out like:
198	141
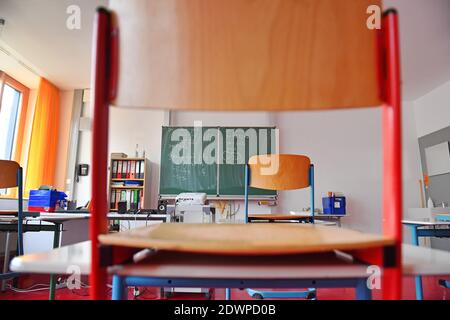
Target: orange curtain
44	138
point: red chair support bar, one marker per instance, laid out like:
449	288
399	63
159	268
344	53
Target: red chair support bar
392	149
101	97
105	76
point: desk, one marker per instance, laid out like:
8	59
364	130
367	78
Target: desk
8	223
300	217
164	269
422	228
57	220
111	216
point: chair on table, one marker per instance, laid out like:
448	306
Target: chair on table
280	172
291	172
343	64
10	177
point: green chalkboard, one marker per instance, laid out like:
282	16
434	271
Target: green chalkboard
180	170
211	159
238	145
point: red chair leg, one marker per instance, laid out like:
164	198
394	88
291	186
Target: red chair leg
98	221
392	150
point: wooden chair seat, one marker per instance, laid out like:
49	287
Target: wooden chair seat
245	239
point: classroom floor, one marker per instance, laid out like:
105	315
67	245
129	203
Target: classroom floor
432	291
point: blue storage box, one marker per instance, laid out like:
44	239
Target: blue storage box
333	205
44	200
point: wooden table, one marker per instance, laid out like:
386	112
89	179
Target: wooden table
167	270
246	239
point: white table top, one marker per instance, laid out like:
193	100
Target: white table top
416	261
419	260
56	260
424	222
62	217
308	214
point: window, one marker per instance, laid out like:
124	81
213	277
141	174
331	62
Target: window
13	106
9	109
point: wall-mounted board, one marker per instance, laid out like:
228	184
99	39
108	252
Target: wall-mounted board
438	158
212	159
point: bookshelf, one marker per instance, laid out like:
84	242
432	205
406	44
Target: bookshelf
127	182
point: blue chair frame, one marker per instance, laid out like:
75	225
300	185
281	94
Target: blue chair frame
311	292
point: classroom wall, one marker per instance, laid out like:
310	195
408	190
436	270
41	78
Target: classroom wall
433	114
245	119
65	115
412	169
433	110
82	186
345	147
128	127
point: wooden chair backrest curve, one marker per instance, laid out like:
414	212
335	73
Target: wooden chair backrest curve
246	55
279	171
8	174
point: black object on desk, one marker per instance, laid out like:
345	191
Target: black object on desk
122	207
162	206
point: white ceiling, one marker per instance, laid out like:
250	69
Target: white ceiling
425	44
36	29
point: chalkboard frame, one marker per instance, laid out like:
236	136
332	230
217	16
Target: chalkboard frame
255	194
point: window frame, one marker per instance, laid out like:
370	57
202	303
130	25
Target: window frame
17	154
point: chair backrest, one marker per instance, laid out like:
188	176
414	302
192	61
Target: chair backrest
11	176
8	174
246	55
279	171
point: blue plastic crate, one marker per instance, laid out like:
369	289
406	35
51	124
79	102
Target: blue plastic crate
44	200
334	205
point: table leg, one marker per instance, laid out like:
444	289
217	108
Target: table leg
119	288
6	261
227	294
418	279
362	290
56	238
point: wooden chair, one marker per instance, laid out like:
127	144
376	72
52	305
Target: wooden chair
10	177
234	55
279	172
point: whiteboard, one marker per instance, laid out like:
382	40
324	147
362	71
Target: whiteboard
438	159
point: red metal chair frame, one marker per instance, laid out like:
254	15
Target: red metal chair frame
104	90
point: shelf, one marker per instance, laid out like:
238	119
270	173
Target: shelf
121	182
129	159
127	187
